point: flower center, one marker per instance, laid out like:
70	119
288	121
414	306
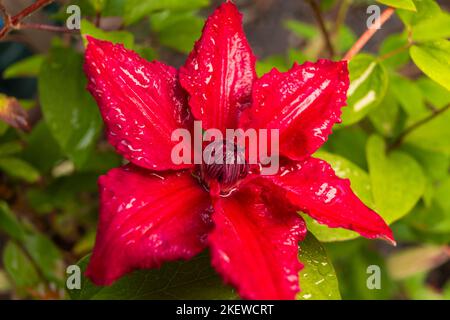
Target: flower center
224	162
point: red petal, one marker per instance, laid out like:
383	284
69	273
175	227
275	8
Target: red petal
147	219
315	189
254	245
303	103
141	103
220	71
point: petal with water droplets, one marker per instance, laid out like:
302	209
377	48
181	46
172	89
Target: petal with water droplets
147	219
302	103
313	187
141	103
254	244
219	72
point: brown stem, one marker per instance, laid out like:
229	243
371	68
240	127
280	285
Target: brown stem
366	36
318	14
416	125
394	52
14	21
45	27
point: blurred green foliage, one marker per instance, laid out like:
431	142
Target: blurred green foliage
393	145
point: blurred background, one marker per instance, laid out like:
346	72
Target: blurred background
394	148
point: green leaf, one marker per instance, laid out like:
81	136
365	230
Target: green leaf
46	256
300	29
368	84
360	184
275	61
318	279
432	29
345	38
17	168
426	9
42	150
9	148
395	43
123	37
433	93
69	110
137	9
433	135
409	95
28	67
9	223
177	30
400	4
192	279
397	180
98	5
19	267
349	143
433	59
384	117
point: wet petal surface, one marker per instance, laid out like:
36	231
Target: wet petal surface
219	72
254	244
141	103
147	219
303	103
313	187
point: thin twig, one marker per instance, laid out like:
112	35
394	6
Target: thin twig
15	21
365	37
416	125
394	52
318	13
45	27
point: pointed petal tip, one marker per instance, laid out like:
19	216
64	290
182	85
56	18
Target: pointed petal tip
389	239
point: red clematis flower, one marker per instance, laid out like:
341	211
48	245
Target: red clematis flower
153	210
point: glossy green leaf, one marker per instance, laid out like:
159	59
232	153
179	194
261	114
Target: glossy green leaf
192	279
28	67
123	37
318	279
17	168
397	180
177	30
9	223
433	59
69	110
137	9
19	267
368	84
401	4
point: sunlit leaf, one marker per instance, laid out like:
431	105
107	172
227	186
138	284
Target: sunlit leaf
28	67
397	180
433	59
